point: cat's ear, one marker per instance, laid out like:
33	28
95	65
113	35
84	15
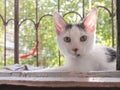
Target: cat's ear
59	23
90	21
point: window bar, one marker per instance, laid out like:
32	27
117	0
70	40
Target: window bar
5	33
36	27
16	31
83	7
112	19
118	33
59	55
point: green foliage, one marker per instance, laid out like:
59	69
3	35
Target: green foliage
48	50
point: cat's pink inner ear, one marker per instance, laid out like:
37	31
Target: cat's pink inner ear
91	20
59	23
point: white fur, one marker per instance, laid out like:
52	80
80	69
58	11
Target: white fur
92	57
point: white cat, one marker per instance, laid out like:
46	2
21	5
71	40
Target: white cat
77	43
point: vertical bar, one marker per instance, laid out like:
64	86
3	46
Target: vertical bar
59	55
83	7
36	11
112	19
5	34
90	4
36	27
58	5
16	31
118	32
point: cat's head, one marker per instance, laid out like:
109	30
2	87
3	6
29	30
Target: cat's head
76	39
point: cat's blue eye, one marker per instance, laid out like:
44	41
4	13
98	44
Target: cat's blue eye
83	38
67	39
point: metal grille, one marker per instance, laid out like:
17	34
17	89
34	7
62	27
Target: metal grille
16	22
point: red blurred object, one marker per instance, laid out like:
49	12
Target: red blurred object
31	53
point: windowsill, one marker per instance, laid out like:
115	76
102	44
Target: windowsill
61	79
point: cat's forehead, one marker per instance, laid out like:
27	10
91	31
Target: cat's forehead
75	26
75	29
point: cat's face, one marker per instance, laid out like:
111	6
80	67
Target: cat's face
75	39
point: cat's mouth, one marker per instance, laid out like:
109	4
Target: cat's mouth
77	55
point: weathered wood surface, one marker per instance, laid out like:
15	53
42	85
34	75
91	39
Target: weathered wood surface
60	79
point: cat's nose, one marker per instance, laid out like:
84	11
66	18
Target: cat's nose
75	49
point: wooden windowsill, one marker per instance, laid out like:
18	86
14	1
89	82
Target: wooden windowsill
61	79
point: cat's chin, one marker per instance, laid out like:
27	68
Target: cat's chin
73	55
76	55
